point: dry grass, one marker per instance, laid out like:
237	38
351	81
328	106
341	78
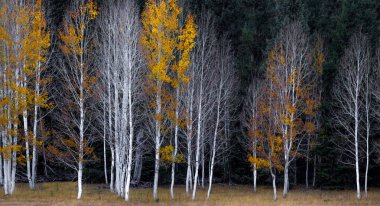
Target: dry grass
64	193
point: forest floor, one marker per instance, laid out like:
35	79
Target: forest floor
64	193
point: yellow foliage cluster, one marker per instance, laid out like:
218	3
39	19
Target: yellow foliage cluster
259	162
166	45
167	157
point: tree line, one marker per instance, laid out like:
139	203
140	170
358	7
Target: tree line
120	87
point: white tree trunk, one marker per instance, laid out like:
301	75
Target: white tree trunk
175	144
358	194
104	143
214	140
158	144
273	184
28	172
368	126
198	144
131	135
286	178
199	123
26	132
81	134
35	124
112	171
189	138
80	170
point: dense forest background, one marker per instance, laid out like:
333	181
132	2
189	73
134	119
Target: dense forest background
252	26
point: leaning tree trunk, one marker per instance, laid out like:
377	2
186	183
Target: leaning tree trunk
214	146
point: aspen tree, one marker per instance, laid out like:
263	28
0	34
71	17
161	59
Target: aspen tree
75	46
348	94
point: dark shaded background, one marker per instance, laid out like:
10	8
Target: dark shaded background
252	26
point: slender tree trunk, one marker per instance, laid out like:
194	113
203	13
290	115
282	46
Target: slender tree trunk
104	144
272	173
368	127
14	140
286	178
203	161
112	181
28	172
158	144
175	144
117	141
35	124
81	134
26	132
189	138
358	195
188	173
214	145
199	123
197	153
286	168
131	135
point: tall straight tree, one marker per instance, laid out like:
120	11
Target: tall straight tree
165	45
79	78
348	94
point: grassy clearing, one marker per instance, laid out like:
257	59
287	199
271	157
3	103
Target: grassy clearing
64	193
